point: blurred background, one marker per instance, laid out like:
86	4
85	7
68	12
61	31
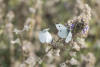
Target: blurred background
39	14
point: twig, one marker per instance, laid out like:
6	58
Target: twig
43	57
21	41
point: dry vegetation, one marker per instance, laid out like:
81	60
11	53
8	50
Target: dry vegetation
21	21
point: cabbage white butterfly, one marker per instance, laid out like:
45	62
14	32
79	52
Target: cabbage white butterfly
45	36
64	32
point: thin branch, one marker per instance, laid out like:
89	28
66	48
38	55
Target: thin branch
43	57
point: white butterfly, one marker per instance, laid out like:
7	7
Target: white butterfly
63	32
45	36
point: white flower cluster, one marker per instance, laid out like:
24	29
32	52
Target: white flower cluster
26	28
73	61
15	41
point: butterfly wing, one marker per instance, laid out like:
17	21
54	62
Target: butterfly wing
60	27
62	33
42	37
69	37
48	37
